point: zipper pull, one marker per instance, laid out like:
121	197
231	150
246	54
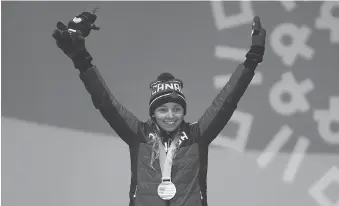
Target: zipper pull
135	192
166	147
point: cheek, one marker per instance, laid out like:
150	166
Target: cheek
162	116
160	121
159	117
179	115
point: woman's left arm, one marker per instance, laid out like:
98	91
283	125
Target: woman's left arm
223	106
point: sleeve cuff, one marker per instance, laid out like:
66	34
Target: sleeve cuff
251	63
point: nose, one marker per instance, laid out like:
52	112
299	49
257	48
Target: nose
170	114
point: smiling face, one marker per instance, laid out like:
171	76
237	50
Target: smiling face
169	116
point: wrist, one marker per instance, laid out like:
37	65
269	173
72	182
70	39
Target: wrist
256	53
82	61
251	63
257	49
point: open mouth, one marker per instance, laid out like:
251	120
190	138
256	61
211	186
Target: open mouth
170	122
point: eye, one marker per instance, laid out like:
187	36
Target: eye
177	109
162	109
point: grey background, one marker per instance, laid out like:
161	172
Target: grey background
58	150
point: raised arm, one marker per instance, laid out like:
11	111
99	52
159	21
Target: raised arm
124	123
222	108
71	40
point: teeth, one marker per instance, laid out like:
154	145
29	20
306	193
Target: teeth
169	122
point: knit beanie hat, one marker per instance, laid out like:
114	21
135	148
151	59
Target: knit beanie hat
166	89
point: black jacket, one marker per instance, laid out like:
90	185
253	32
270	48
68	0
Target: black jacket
201	133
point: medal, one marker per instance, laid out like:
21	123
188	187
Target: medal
166	190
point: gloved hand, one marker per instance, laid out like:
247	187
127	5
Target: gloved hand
71	39
257	50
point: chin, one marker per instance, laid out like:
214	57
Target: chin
169	129
166	128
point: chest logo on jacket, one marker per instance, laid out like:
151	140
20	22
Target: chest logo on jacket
182	137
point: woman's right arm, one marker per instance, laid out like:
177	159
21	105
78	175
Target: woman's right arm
124	123
71	40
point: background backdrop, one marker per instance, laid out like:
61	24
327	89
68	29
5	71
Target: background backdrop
280	148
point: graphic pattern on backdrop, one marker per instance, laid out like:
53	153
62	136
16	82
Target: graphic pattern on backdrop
296	89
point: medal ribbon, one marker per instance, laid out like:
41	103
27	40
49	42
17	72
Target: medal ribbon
166	160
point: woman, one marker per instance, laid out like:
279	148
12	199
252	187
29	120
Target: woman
168	155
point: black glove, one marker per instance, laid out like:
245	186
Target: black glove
257	50
71	39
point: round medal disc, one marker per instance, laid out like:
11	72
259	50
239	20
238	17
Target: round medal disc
166	190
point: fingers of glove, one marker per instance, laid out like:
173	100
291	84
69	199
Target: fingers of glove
256	26
56	34
66	36
61	26
79	38
68	47
61	41
67	42
60	44
258	33
262	33
75	35
258	41
261	38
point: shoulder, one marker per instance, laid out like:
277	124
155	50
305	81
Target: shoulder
192	128
144	130
191	132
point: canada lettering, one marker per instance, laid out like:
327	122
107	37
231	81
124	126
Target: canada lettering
166	86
